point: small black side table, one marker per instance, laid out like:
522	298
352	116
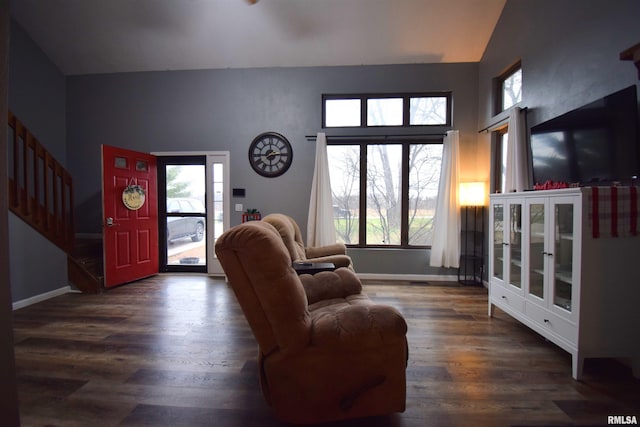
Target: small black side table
312	267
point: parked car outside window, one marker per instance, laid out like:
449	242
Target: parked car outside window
179	227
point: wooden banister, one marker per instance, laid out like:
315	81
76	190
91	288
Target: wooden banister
40	189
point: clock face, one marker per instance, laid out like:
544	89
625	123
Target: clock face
270	154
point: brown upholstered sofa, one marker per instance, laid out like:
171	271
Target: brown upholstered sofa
326	351
292	238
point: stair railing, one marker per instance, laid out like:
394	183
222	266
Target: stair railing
40	189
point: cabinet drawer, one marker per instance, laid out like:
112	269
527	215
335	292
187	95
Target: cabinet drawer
552	322
503	297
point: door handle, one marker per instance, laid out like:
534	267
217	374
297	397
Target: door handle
109	222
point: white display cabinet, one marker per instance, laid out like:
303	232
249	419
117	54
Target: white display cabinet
551	269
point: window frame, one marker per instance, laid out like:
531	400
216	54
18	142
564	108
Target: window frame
499	144
405	96
363	143
499	83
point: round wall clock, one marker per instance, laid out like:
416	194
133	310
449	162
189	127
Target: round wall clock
270	154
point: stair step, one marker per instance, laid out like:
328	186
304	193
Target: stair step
85	266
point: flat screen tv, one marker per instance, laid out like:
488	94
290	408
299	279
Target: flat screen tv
596	144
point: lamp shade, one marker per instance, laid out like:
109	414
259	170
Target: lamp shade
472	194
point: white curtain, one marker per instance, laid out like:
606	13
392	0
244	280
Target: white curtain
321	230
517	169
445	248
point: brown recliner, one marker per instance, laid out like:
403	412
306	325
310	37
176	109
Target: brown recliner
292	238
326	351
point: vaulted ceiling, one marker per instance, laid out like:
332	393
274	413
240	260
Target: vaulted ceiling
107	36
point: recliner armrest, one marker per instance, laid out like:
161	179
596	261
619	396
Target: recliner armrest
320	251
339	283
358	326
337	260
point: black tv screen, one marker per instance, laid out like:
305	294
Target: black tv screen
596	144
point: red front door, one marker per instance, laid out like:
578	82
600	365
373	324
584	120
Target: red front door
130	215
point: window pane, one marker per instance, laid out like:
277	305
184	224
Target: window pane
342	112
512	89
383	194
120	163
424	177
344	172
185	187
218	199
384	112
430	110
141	165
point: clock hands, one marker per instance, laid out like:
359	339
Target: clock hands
271	154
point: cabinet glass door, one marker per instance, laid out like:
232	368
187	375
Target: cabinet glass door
536	249
563	255
498	240
515	245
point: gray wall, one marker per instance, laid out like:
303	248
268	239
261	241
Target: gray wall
37	93
569	50
37	98
225	110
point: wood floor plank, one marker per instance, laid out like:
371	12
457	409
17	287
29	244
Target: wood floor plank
177	351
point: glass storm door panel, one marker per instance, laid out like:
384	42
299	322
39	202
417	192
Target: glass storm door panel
563	255
498	241
536	249
186	223
515	245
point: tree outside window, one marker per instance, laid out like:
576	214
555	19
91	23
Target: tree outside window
511	88
344	169
400	184
424	178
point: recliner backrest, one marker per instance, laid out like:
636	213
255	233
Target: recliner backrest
269	291
290	234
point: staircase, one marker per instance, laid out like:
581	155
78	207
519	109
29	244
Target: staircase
41	194
85	267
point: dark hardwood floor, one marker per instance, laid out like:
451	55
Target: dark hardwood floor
177	351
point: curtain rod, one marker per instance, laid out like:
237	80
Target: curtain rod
379	137
500	122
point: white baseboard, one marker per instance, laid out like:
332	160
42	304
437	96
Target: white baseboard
42	297
408	277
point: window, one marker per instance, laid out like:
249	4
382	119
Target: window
423	109
509	88
342	112
384	112
428	110
384	194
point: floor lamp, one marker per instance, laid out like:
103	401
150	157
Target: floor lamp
472	202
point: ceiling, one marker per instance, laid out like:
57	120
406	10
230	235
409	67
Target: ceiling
108	36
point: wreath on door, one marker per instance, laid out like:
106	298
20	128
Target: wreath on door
133	197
